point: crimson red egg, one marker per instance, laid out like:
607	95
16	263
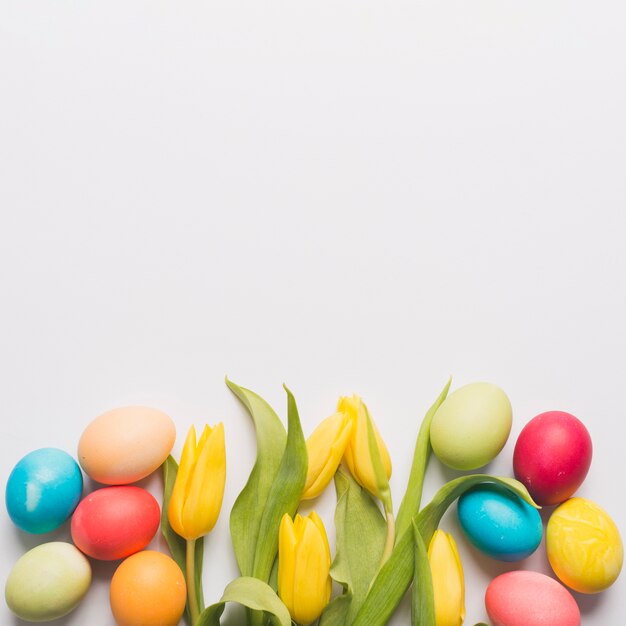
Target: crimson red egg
115	522
552	456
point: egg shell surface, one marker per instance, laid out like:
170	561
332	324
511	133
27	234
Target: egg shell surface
498	523
43	490
125	445
521	598
114	522
148	588
471	426
47	582
552	456
584	546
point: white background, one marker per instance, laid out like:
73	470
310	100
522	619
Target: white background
346	196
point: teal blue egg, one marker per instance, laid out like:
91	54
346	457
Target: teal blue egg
43	490
498	523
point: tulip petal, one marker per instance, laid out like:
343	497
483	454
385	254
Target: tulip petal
214	480
325	582
379	473
358	440
206	490
287	542
182	483
448	584
304	583
311	572
384	453
206	432
358	455
325	448
461	590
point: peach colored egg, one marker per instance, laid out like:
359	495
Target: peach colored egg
521	598
126	444
148	589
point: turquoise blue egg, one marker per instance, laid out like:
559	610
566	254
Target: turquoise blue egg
43	490
498	523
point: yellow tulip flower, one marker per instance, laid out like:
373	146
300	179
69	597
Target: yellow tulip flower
304	583
325	448
357	454
199	488
448	582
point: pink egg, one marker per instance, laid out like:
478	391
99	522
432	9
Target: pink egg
522	598
115	522
552	456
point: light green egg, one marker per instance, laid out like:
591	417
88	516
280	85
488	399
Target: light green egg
471	426
48	582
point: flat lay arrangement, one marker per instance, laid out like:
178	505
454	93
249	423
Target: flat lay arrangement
287	571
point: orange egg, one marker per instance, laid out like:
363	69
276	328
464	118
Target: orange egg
148	589
125	445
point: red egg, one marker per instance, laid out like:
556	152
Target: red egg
552	456
115	522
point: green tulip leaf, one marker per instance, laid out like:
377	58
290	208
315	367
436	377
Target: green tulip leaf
284	494
175	542
422	596
246	514
336	613
273	581
358	523
251	593
429	517
396	574
410	504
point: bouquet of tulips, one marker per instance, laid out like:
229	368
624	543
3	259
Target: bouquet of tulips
284	558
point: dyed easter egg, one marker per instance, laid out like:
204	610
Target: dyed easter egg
125	445
471	426
148	588
499	523
114	522
522	598
552	456
584	546
43	489
47	582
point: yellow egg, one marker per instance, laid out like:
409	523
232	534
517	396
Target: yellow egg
148	589
125	445
584	546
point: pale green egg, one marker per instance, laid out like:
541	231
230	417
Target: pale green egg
48	582
471	426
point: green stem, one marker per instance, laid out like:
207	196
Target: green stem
192	598
391	535
255	618
409	507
